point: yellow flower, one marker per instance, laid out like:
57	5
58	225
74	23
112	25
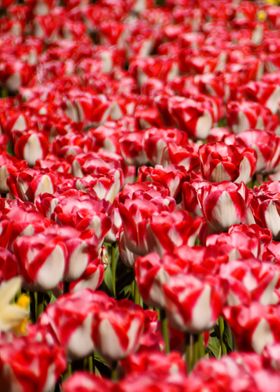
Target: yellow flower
272	2
11	315
261	15
23	302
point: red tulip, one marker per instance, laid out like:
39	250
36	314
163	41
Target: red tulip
8	265
255	326
70	319
270	356
220	162
9	165
157	140
28	184
31	146
155	362
142	201
246	115
169	176
116	332
149	381
18	371
267	94
173	229
152	272
91	278
266	207
251	280
42	259
242	241
234	372
225	204
192	304
86	382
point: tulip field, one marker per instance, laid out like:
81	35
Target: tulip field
139	196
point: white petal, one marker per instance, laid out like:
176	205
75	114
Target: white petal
80	343
32	150
202	311
52	271
272	219
109	341
244	171
242	124
78	262
273	102
224	212
8	290
203	125
262	336
45	186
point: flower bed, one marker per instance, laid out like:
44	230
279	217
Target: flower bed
140	196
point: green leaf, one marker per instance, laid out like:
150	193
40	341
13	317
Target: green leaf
126	291
214	347
228	338
108	279
52	298
100	359
10	148
222	122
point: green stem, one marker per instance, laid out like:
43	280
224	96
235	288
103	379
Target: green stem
114	263
201	347
165	330
91	366
114	373
194	350
199	350
189	352
68	370
221	335
137	297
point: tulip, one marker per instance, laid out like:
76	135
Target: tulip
173	229
9	267
170	177
31	146
42	259
8	165
225	204
242	241
142	204
266	207
152	272
17	363
70	318
21	219
234	372
255	326
155	362
249	281
86	382
193	305
267	147
149	381
271	358
157	140
28	184
116	332
246	115
220	162
91	278
267	94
